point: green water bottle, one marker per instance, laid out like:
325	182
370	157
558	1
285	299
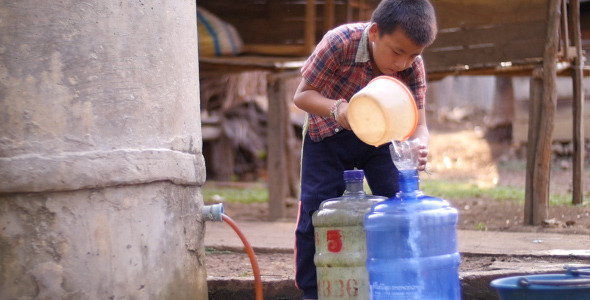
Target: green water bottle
340	241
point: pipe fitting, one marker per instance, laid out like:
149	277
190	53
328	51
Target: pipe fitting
213	212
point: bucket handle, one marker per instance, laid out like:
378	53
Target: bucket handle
567	282
577	270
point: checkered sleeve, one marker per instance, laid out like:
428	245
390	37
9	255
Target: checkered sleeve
323	62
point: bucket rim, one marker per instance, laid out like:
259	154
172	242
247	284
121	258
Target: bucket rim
541	282
411	96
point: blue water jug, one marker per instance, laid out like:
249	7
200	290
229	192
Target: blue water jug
340	241
412	245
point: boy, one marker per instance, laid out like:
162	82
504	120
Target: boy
346	59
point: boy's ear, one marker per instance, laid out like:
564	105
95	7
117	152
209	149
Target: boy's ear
373	32
373	28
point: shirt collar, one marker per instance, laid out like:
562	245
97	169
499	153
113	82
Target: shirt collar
362	52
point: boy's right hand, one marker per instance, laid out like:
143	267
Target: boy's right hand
342	116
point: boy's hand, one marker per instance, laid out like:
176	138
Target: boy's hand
342	116
422	157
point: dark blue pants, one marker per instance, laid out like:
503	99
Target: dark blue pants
322	167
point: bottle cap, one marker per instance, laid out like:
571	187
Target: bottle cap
354	175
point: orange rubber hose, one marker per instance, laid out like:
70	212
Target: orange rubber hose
251	255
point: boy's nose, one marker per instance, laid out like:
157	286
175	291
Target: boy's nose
402	63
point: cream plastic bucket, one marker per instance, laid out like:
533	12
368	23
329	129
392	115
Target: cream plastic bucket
382	112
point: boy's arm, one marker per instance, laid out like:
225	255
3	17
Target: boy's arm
309	99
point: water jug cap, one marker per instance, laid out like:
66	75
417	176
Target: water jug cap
354	175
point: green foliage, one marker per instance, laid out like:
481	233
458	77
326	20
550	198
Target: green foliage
254	194
481	226
446	189
213	251
461	190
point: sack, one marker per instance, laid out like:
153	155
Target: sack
216	37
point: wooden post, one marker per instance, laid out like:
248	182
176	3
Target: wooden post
222	158
276	148
310	25
329	15
531	187
503	106
349	11
541	125
364	12
578	106
565	31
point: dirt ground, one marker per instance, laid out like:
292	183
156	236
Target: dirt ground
458	152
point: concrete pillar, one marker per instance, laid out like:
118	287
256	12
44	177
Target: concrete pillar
100	150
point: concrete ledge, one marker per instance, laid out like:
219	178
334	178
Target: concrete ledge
475	285
477	273
243	289
99	169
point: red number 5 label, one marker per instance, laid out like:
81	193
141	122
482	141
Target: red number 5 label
334	240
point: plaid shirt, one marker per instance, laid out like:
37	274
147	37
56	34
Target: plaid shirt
340	66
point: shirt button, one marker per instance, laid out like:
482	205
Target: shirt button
337	130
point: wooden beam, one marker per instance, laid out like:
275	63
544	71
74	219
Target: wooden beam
541	125
276	49
234	64
578	105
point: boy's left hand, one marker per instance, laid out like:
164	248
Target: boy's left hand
422	157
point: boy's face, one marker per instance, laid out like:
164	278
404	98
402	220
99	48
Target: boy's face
392	52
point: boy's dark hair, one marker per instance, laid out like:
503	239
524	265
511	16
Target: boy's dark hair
415	17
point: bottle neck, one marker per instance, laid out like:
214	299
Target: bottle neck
409	181
354	188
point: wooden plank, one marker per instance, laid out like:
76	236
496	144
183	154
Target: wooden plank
515	69
282	33
497	34
252	19
485	46
280	50
483	56
241	63
297	23
469	13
